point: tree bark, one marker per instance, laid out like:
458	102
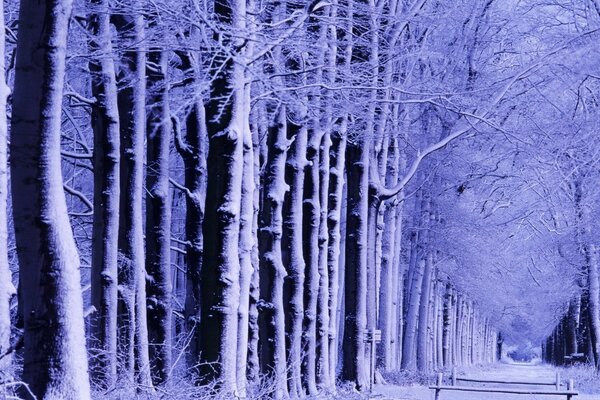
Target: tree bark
7	290
158	219
293	254
132	321
272	270
355	285
105	240
55	359
220	286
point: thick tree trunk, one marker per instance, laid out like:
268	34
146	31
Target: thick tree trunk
272	270
220	287
105	240
293	256
193	152
133	332
7	290
158	219
354	366
55	359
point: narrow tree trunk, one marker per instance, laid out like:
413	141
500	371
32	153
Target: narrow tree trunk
334	215
248	242
105	240
158	219
55	359
259	129
414	296
424	312
310	213
322	341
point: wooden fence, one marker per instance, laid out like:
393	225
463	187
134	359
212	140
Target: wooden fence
439	386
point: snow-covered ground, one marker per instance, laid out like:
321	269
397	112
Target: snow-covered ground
500	371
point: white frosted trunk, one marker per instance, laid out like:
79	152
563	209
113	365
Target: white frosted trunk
48	258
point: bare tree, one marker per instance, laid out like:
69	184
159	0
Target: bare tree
55	360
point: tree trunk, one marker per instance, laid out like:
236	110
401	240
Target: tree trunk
54	358
293	255
322	341
424	326
334	215
272	270
414	295
105	240
193	153
158	219
248	243
355	285
133	332
220	287
7	290
310	214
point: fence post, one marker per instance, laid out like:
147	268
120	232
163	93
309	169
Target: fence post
557	380
453	376
438	386
570	388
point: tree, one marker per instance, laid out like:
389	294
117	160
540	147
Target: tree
105	120
132	320
55	361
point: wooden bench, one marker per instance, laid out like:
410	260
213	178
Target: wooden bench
439	386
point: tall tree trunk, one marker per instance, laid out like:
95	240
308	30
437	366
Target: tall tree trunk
158	219
227	119
105	240
55	359
272	270
414	293
258	129
248	242
334	215
7	290
355	285
389	274
293	256
310	214
133	332
424	325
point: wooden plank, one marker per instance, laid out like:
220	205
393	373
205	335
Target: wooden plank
507	391
505	382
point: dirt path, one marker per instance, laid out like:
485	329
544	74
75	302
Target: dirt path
514	372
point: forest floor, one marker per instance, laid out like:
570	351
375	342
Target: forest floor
499	371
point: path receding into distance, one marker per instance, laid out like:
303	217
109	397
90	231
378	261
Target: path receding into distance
499	371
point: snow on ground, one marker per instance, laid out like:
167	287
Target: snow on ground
500	371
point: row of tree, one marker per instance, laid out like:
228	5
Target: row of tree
266	185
